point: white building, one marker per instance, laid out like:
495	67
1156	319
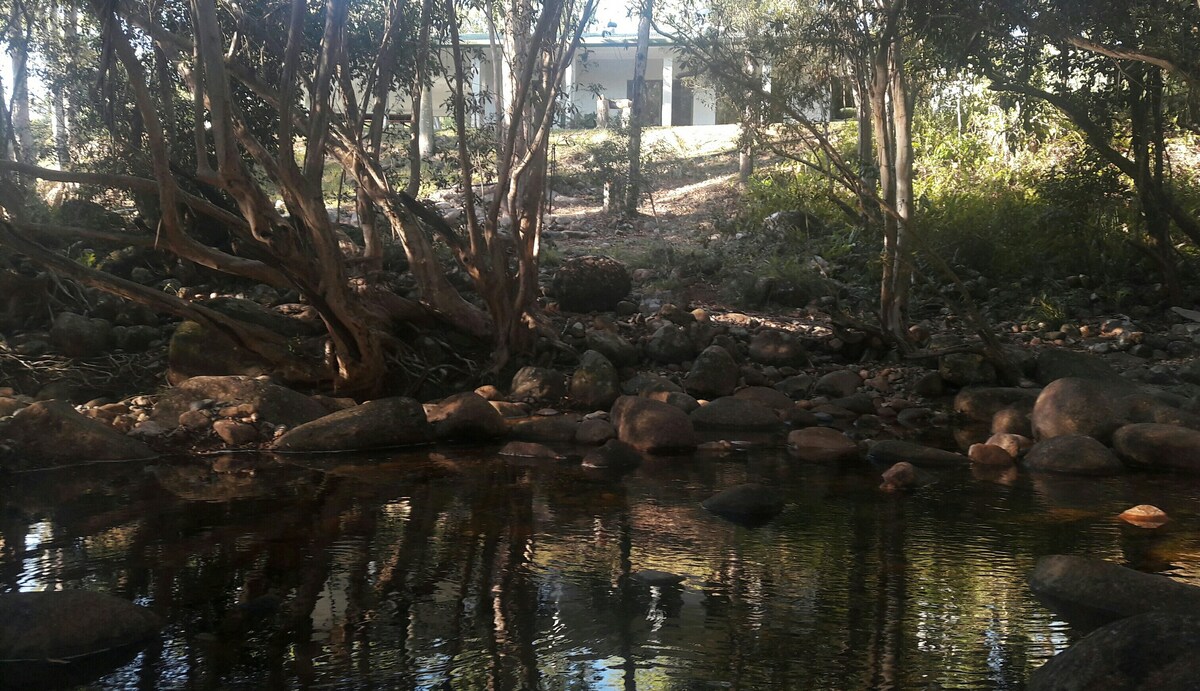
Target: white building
603	67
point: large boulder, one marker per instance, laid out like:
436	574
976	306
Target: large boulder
557	428
466	417
1073	405
1089	592
1073	454
652	425
75	335
613	455
670	344
822	444
1156	650
69	625
966	369
1057	363
981	403
613	346
196	351
713	374
838	384
590	284
49	433
735	413
892	451
772	398
538	385
595	384
646	383
271	402
771	347
380	423
1159	447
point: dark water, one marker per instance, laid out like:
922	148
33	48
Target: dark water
464	571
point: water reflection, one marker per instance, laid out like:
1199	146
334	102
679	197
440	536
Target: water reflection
438	570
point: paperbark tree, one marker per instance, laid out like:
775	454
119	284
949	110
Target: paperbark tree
633	182
324	75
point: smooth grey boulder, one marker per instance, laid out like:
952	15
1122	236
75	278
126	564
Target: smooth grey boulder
1156	650
272	403
49	433
1074	405
1159	447
465	416
595	384
69	625
981	403
381	423
1089	592
730	412
1073	454
822	445
652	426
713	374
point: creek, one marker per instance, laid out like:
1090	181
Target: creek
459	569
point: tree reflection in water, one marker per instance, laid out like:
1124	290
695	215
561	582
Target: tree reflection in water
422	570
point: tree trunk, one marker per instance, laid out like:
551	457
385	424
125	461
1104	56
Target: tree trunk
19	51
633	182
896	315
885	161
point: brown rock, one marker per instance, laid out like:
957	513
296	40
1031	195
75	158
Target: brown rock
1014	444
194	420
272	402
822	445
900	476
544	427
987	454
69	624
465	416
527	449
735	413
594	432
1161	447
236	433
1144	516
1073	454
381	423
652	425
48	433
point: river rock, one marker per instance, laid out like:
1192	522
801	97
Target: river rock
559	428
8	406
652	425
272	403
658	579
670	344
590	284
1089	592
645	383
735	413
903	476
614	454
1073	454
196	351
749	503
613	346
772	347
69	624
838	384
1076	406
822	445
385	422
529	449
892	451
678	399
981	403
236	433
465	417
1012	421
595	384
251	312
1157	408
987	454
1144	516
75	335
48	433
1159	447
1156	650
795	386
538	385
713	374
1057	363
966	369
1014	445
771	398
595	431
